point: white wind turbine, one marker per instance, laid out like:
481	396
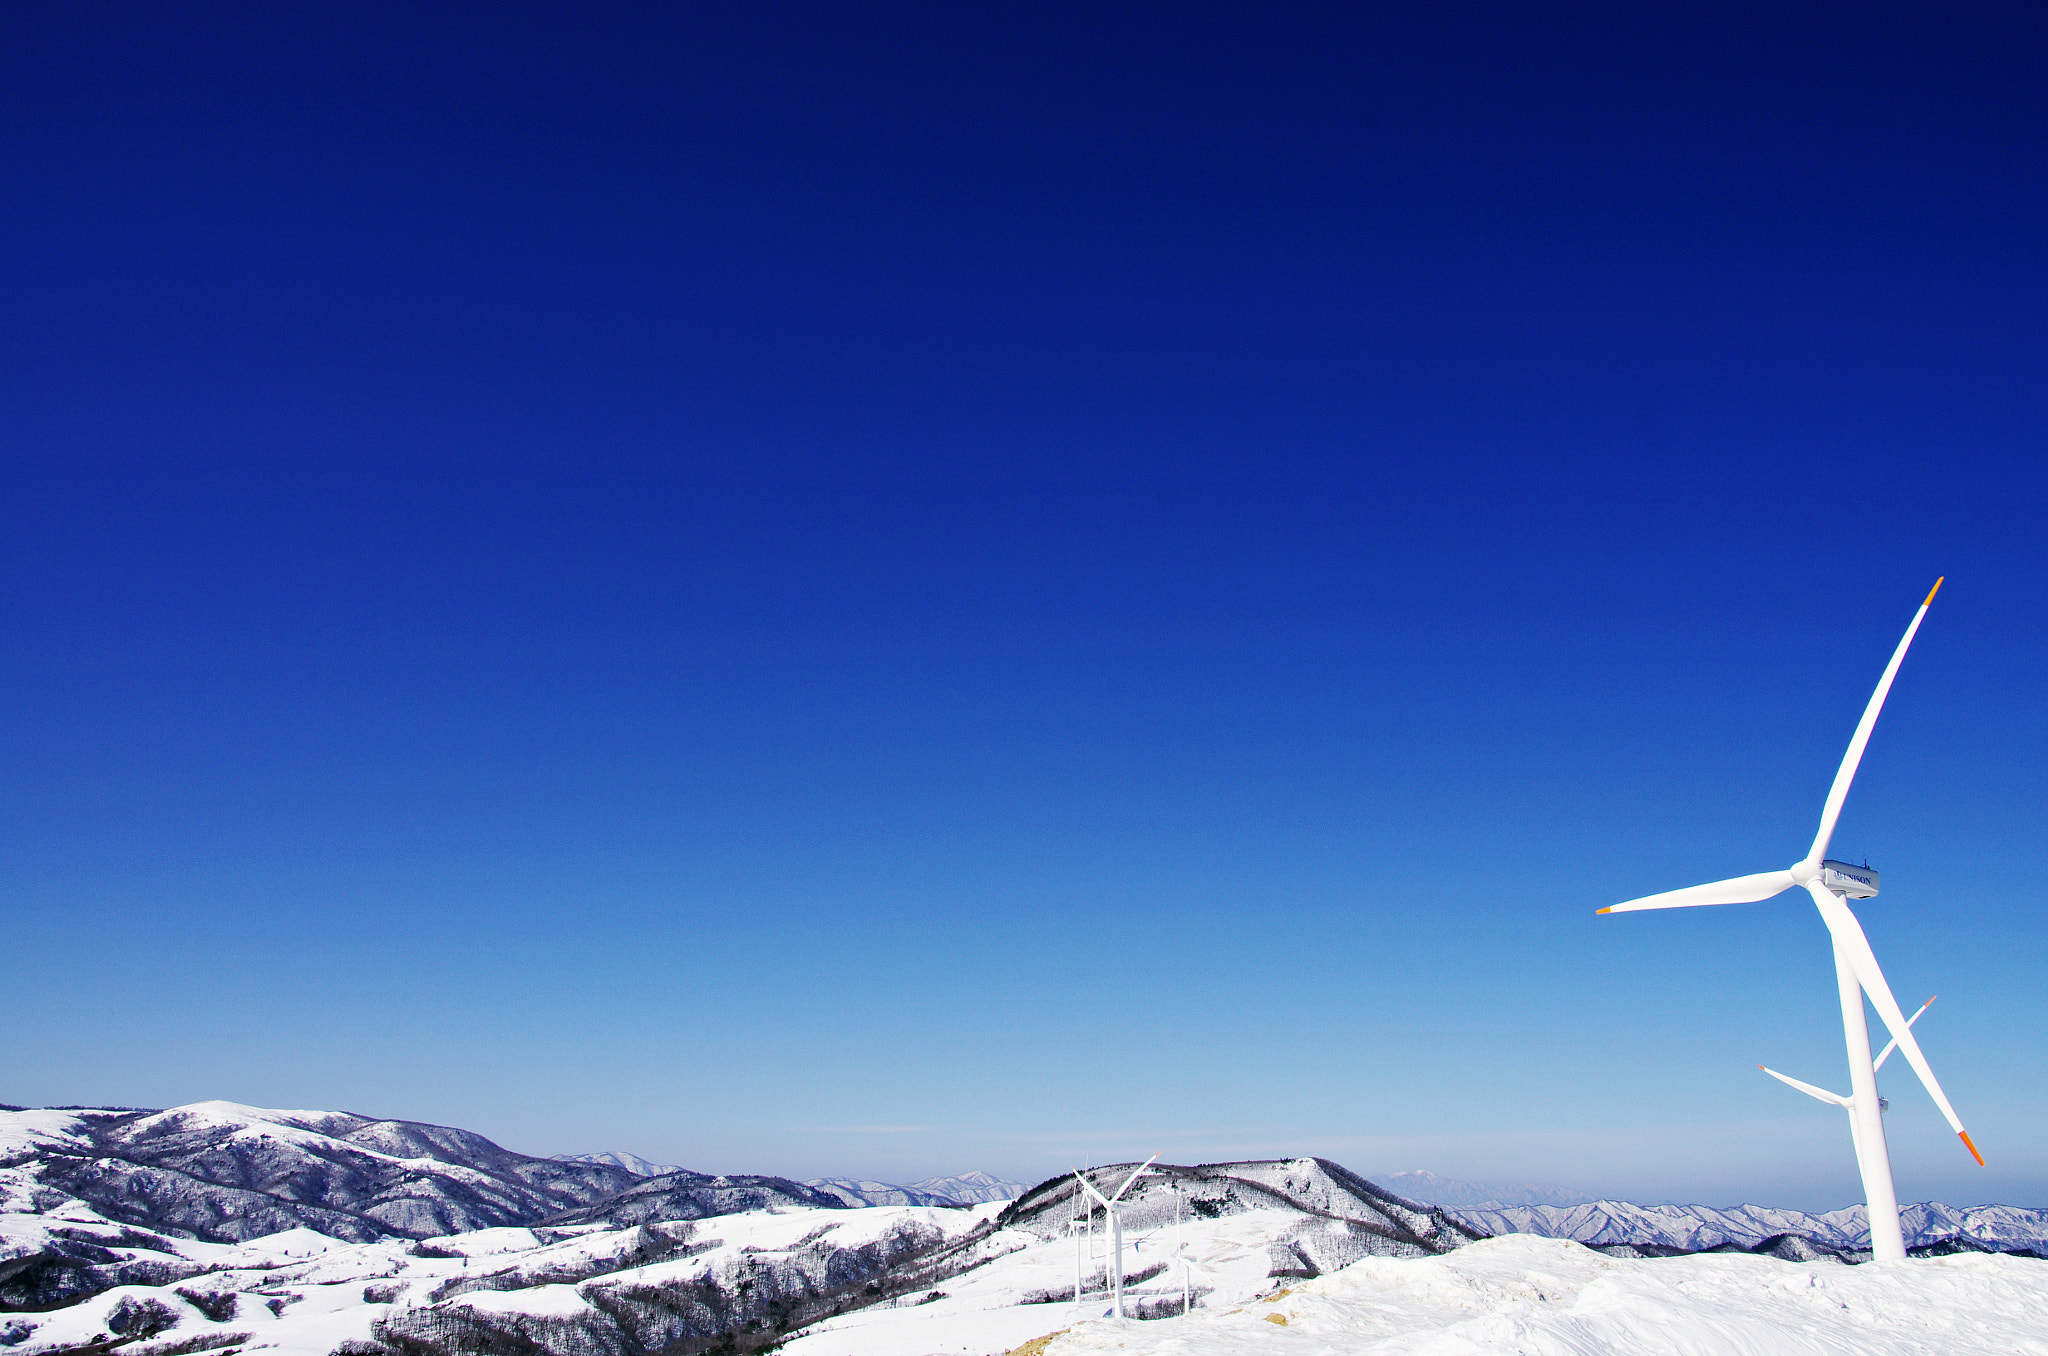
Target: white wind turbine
1856	973
1116	1230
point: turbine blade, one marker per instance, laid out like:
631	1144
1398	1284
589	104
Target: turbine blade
1089	1187
1740	890
1132	1178
1846	773
1886	1053
1809	1089
1849	934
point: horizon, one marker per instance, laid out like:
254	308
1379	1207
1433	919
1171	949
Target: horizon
822	590
1378	1176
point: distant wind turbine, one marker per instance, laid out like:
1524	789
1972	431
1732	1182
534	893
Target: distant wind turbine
1856	973
1110	1206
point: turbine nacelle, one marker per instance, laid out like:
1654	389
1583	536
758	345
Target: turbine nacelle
1849	882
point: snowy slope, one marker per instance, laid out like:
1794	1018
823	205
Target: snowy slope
1027	1287
1313	1189
1548	1297
632	1163
221	1171
992	1289
859	1193
573	1289
970	1188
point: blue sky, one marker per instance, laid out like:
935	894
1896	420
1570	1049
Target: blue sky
831	589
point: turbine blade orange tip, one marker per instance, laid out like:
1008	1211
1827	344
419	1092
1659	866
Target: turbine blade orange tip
1971	1147
1606	910
1931	592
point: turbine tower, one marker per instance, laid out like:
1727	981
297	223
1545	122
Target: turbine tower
1116	1229
1856	973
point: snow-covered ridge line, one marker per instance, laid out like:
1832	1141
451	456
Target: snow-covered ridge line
967	1188
632	1163
1697	1228
971	1188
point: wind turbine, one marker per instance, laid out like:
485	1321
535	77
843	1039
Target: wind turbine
1116	1228
1856	973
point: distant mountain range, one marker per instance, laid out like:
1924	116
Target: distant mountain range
632	1163
968	1188
1651	1229
971	1188
1493	1209
858	1193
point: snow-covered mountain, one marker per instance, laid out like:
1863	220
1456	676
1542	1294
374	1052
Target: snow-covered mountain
1337	1216
1430	1189
222	1172
970	1188
858	1193
632	1163
80	1191
1698	1228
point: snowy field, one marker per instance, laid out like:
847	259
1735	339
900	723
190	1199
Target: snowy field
1539	1297
1525	1295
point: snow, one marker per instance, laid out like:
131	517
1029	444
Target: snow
488	1242
24	1132
614	1158
551	1301
275	1250
983	1310
1550	1296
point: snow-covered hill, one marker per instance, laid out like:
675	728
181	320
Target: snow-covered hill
225	1172
90	1196
1341	1215
1696	1228
858	1193
970	1188
632	1163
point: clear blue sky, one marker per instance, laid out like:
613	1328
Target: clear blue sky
892	589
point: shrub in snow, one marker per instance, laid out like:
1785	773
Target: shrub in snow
218	1306
141	1318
